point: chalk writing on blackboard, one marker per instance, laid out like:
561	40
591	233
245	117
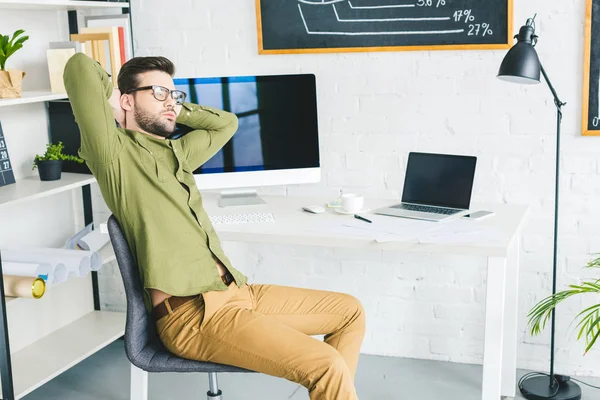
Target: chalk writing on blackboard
306	25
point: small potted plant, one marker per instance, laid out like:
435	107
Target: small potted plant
50	164
10	80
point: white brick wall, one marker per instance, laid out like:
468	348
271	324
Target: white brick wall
374	109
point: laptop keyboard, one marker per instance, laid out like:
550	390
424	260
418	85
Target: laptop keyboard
429	209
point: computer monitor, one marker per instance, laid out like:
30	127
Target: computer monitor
277	141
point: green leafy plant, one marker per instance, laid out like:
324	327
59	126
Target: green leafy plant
589	324
55	152
8	46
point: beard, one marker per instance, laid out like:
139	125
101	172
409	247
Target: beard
153	123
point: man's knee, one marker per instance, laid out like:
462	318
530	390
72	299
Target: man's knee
356	312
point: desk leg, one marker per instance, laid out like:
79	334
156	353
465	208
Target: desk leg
494	328
509	358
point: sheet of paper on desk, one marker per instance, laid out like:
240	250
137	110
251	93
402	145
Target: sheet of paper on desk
392	229
401	229
381	229
350	231
455	231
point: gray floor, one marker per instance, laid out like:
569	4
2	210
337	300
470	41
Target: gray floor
105	376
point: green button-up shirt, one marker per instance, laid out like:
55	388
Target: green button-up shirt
148	184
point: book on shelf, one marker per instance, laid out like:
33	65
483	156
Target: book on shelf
57	59
119	20
105	52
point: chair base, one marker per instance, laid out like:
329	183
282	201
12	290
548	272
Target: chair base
139	385
214	393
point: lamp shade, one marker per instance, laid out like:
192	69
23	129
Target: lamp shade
521	64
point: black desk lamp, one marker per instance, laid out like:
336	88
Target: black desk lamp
522	65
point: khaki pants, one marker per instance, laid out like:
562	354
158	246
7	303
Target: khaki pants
266	328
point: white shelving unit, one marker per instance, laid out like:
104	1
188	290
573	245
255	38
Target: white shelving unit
68	5
49	335
32	188
64	348
89	331
32	97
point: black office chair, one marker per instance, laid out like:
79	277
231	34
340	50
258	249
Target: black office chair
142	344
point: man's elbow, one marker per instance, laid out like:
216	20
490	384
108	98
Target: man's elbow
234	123
73	64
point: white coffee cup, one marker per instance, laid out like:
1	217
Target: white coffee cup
352	202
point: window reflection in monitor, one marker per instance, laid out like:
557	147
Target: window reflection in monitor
277	140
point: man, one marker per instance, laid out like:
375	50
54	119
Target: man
204	308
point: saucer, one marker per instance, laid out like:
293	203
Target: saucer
340	210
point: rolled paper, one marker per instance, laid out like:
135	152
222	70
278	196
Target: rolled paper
23	286
77	262
51	274
60	273
43	270
95	262
71	243
93	241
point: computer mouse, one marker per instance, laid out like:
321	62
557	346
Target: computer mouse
314	209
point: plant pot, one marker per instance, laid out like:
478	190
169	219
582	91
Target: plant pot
10	83
50	170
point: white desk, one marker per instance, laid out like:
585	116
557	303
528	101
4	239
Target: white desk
293	226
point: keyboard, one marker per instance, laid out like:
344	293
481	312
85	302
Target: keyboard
245	218
435	210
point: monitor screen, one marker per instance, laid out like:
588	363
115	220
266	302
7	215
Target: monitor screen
277	117
439	180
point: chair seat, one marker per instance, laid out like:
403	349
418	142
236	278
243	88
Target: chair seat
155	358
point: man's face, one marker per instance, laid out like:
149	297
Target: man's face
152	115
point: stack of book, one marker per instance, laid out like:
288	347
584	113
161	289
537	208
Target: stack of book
118	30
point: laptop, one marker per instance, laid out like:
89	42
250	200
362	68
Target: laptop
436	187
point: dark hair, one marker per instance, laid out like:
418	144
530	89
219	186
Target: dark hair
128	75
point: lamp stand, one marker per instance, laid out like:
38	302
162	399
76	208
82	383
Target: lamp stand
554	387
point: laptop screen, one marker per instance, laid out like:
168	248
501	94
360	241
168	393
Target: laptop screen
439	180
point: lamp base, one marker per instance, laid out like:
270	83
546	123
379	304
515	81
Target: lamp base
537	388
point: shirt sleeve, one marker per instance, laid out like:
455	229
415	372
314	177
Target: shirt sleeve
211	130
89	88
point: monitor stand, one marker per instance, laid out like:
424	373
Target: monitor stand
239	198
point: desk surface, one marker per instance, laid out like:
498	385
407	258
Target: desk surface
294	226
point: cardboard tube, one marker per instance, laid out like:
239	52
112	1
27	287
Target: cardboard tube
23	286
51	274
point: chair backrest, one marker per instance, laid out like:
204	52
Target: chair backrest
140	329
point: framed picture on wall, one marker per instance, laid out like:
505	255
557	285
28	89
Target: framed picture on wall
591	70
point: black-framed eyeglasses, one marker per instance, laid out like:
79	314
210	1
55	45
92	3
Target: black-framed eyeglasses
161	93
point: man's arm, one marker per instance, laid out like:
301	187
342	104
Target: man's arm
89	88
212	129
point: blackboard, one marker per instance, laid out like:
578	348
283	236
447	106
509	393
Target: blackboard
320	26
6	173
591	70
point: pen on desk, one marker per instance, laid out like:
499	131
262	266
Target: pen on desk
362	218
